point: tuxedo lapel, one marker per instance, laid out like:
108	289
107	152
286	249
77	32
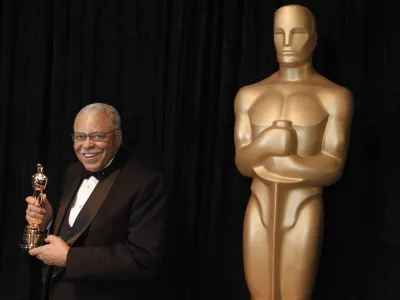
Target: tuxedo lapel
91	207
65	201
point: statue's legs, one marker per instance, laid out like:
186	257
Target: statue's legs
300	251
256	252
286	272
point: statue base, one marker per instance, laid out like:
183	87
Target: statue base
33	237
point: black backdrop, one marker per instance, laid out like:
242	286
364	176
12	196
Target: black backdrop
173	68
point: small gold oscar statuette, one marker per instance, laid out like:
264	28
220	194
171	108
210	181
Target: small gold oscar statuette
33	235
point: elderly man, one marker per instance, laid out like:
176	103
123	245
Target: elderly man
108	231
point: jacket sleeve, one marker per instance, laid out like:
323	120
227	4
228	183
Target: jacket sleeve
140	256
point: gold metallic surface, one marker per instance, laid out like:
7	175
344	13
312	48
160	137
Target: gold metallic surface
291	137
39	183
33	235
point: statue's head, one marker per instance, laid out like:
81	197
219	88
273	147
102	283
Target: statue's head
295	35
39	180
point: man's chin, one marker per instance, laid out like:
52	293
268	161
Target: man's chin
92	167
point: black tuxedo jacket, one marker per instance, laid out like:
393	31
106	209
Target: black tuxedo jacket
117	239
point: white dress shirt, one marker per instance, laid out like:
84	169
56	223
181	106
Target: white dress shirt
81	197
83	194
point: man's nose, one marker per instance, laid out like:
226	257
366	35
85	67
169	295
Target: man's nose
87	143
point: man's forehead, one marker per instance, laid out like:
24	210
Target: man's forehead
96	119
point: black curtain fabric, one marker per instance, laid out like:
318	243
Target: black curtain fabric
172	68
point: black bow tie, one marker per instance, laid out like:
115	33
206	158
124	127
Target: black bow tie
87	174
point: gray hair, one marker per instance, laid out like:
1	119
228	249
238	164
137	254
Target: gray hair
113	114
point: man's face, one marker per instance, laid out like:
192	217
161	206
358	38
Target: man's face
96	155
294	36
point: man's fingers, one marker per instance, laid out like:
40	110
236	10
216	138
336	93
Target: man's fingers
35	214
36	209
34	251
38	250
33	220
51	238
32	200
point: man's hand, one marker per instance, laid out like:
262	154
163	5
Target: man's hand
39	214
53	254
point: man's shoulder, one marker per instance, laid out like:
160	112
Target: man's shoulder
139	168
138	174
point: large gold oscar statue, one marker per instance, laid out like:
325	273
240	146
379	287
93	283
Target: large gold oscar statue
291	137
